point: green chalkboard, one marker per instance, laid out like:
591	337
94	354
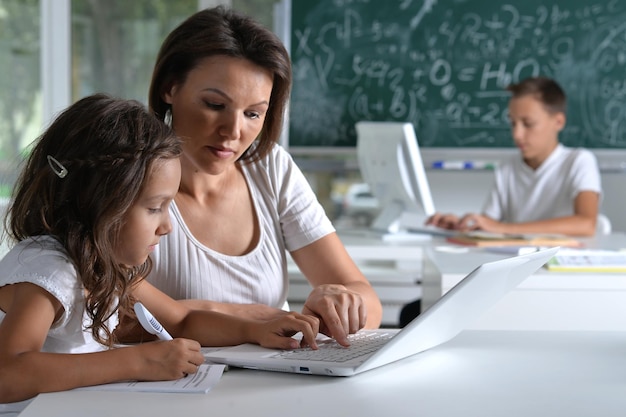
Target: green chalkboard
444	64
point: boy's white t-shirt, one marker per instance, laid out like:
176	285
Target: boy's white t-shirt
521	194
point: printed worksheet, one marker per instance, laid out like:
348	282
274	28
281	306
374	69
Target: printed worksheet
207	377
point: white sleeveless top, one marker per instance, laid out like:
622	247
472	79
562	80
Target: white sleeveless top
290	218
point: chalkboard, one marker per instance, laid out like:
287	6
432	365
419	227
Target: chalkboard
444	65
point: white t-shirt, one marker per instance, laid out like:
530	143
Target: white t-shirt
290	218
43	261
521	194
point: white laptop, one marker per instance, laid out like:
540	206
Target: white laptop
452	313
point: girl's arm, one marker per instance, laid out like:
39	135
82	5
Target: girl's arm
211	328
25	371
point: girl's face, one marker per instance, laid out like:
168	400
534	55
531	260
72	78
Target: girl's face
535	130
148	218
219	111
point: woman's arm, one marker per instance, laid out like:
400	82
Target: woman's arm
342	297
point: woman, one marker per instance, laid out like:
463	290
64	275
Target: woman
223	81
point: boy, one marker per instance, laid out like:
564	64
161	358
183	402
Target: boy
551	188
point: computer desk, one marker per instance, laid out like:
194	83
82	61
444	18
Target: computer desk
479	373
545	301
554	346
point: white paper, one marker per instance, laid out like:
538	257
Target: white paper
201	382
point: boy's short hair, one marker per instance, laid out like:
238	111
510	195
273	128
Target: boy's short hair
546	90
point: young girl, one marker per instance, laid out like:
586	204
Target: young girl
89	207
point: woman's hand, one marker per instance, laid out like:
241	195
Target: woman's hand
341	311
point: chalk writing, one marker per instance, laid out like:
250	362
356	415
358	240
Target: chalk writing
444	65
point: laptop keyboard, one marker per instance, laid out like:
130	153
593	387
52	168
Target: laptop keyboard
329	350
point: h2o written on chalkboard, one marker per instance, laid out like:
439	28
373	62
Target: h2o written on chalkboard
444	64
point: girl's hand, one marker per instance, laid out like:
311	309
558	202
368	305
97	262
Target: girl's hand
276	333
168	360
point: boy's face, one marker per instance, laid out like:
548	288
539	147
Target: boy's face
534	129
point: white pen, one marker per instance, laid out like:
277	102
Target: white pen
149	323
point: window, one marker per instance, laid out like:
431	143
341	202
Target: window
20	88
113	47
115	43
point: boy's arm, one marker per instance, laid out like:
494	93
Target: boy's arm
581	223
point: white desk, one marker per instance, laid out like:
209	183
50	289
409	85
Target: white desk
556	346
479	373
546	300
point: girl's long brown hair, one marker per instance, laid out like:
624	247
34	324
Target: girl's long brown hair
108	147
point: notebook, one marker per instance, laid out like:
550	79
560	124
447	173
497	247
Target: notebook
587	260
452	313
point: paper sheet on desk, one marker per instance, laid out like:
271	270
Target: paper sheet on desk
201	382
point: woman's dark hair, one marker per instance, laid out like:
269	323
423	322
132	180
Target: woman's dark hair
108	147
221	31
546	90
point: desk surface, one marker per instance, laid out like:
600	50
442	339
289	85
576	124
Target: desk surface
553	352
546	300
455	259
479	373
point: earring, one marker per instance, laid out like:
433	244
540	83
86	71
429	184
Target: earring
168	117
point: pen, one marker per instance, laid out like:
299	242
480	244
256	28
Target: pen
149	323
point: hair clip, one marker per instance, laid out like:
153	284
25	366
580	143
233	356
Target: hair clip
57	167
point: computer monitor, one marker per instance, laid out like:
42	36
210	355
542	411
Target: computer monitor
391	163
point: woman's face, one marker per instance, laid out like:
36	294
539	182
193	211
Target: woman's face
219	111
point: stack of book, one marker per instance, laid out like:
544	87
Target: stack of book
586	260
487	239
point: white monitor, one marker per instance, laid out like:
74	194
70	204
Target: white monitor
391	163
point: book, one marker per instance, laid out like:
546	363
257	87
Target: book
488	239
581	260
